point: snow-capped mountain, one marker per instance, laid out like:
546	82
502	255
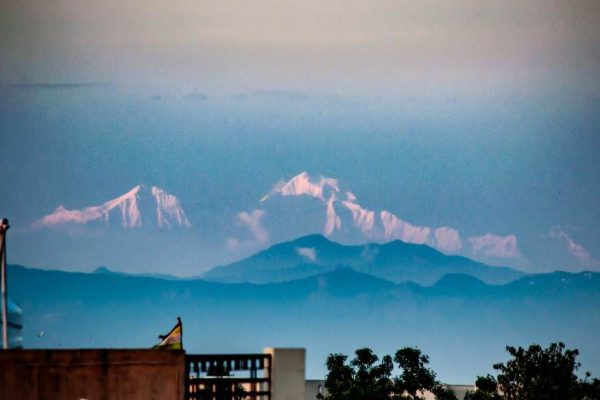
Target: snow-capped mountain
297	207
141	206
320	201
303	184
343	213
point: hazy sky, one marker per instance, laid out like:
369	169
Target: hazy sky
357	47
479	115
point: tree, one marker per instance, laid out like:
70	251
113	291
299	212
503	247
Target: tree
442	392
339	379
487	389
539	374
536	373
415	377
364	379
371	381
590	390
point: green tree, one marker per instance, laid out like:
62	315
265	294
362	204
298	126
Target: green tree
415	376
590	390
340	378
487	389
537	373
442	392
366	379
362	379
371	381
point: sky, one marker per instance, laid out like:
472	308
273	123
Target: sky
478	115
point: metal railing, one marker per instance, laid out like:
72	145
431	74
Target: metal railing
228	376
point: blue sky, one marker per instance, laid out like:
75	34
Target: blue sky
482	116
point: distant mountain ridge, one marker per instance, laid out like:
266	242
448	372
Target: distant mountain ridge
459	317
30	282
142	206
147	229
395	261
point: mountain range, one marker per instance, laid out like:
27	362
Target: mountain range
148	229
395	261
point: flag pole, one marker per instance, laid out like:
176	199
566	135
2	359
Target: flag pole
3	228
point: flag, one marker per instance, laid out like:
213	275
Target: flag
172	340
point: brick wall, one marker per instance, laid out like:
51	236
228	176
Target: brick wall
92	374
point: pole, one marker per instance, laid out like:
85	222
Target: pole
3	228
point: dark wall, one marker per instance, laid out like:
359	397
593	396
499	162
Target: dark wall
92	374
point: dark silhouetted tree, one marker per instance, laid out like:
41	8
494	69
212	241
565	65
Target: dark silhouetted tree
339	379
371	381
364	379
539	374
442	392
415	376
536	373
487	389
590	390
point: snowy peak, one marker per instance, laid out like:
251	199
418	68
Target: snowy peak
343	209
129	207
303	185
395	228
363	219
322	188
168	210
344	218
140	206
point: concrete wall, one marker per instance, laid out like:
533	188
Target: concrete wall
287	373
92	374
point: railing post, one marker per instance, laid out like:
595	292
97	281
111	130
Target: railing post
3	228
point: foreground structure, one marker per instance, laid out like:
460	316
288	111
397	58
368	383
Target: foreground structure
107	374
